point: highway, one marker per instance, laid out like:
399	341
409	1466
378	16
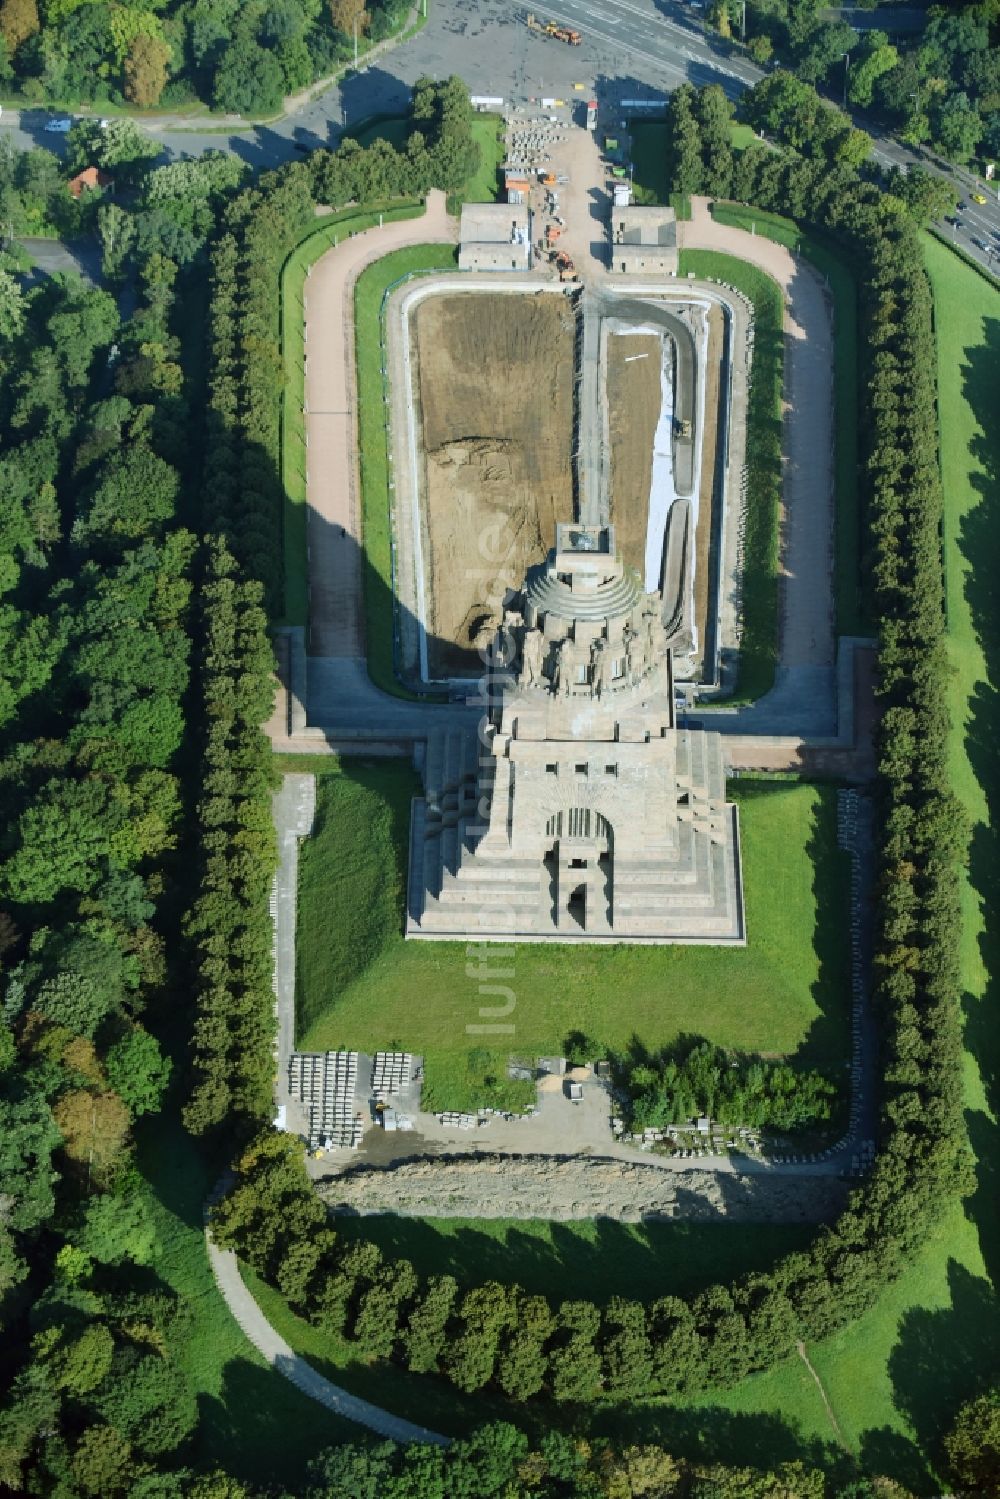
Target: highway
630	49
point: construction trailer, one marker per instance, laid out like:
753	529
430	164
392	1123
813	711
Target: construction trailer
518	189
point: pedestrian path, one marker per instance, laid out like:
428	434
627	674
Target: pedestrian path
806	638
281	1357
334	520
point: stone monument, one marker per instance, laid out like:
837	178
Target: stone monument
584	814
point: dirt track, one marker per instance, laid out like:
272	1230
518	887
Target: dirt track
634	398
495	379
806	597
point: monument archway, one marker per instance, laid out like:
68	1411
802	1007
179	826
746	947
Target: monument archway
579	859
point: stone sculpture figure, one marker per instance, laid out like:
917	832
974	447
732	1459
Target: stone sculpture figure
601	666
531	659
563	672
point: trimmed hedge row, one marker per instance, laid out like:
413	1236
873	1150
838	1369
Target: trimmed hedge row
229	927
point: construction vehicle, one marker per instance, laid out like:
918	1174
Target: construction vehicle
554	30
547	179
564	265
552	233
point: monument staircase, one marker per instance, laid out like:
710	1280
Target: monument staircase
445	825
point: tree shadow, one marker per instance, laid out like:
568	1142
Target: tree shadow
711	1433
264	1430
644	1260
943	1357
979	543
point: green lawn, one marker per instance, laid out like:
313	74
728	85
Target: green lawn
319	238
361	985
483	186
650	183
251	1419
487	132
851	615
369	292
431	1402
759	648
740	136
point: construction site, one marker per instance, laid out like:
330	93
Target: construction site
521	402
496	452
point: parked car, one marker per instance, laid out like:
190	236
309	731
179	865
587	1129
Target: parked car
59	127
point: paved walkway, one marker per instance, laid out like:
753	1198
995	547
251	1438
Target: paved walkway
332	488
294	808
280	1356
806	527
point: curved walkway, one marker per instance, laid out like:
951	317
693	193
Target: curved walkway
334	511
806	648
281	1357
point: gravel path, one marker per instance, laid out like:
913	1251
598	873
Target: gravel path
281	1357
332	490
806	556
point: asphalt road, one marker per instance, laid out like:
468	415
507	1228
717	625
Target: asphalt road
630	49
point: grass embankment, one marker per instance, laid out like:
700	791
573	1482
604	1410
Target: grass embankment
759	648
852	618
251	1420
327	233
592	1260
369	293
484	184
361	985
435	1403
